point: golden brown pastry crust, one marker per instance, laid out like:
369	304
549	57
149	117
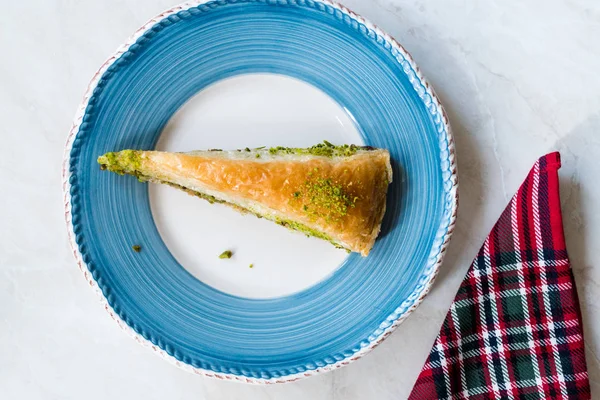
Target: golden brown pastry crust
340	198
286	186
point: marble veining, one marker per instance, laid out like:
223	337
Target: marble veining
518	79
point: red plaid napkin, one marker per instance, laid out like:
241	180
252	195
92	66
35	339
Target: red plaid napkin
514	329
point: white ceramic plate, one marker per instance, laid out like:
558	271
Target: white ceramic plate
248	73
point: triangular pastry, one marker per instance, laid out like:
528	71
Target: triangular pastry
336	193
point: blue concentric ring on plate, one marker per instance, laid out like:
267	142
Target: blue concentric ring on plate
339	318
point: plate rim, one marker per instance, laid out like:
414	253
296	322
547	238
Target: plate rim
442	238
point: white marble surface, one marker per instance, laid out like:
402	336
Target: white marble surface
518	79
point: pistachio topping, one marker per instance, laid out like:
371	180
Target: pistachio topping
122	162
226	254
325	149
324	198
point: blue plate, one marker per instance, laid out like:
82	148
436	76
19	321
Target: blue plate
129	102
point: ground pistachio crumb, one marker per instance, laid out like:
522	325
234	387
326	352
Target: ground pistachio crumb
226	254
325	149
251	266
325	198
137	248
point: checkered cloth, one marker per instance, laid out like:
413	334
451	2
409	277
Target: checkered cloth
514	329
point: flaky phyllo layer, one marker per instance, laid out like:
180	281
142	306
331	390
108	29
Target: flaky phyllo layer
336	193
